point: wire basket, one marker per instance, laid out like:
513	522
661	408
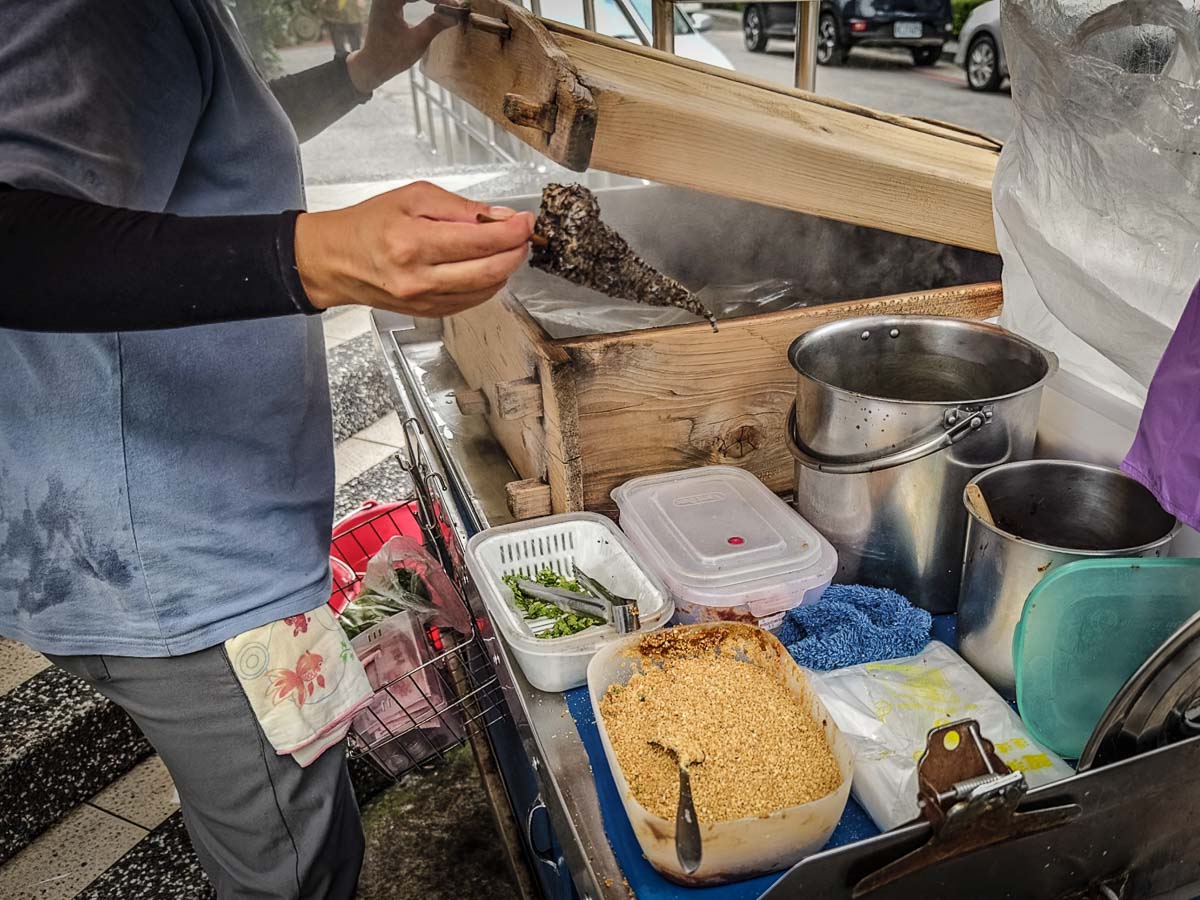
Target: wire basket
421	712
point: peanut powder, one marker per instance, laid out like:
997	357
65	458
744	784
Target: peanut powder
761	750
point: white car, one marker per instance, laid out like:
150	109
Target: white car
629	20
980	49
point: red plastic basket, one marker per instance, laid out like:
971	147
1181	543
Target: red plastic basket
358	537
451	692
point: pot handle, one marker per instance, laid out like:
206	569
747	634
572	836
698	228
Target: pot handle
956	424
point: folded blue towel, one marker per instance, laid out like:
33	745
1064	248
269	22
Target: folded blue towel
852	624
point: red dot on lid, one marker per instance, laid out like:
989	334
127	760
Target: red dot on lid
737	541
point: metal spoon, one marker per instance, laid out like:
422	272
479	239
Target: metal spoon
687	826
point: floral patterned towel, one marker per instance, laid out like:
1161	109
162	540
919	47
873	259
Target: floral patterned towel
303	680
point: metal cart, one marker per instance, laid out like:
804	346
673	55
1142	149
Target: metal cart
1125	829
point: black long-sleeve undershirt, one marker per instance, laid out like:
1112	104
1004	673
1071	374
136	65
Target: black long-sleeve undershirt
316	98
70	265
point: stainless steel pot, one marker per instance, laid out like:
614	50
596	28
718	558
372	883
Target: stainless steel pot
1047	513
893	416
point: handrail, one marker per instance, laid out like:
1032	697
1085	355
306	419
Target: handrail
663	24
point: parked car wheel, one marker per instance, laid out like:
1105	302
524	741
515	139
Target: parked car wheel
926	56
830	51
754	29
983	64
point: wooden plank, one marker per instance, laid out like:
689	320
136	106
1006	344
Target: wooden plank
934	127
636	111
472	403
564	463
494	344
685	125
501	351
519	399
528	499
522	81
673	398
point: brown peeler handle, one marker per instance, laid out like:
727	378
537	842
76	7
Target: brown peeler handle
536	239
462	14
453	11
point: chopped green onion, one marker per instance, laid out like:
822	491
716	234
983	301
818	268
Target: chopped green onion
565	622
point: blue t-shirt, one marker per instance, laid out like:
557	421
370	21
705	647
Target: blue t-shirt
160	491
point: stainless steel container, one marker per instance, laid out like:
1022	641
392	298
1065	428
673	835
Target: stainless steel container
1048	513
893	416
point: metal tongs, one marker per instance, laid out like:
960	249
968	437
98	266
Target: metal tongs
599	602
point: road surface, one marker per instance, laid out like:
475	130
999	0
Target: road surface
882	79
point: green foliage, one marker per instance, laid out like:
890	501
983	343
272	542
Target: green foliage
264	25
369	608
960	9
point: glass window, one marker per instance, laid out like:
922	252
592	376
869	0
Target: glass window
612	21
645	10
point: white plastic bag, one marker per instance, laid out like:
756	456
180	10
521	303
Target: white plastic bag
886	710
390	574
1097	192
571	311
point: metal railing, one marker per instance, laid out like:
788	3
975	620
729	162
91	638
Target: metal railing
468	137
807	14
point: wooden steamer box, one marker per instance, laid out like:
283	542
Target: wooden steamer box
580	415
869	213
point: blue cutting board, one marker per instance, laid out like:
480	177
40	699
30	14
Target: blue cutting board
855	825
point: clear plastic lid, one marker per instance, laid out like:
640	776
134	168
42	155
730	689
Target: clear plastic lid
719	529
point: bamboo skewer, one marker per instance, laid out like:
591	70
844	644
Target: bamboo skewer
536	239
980	505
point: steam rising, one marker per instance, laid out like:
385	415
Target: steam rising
742	259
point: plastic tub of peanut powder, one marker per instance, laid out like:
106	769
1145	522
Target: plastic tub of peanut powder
762	836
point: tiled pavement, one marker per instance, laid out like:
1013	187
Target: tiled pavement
18	664
91	837
61	743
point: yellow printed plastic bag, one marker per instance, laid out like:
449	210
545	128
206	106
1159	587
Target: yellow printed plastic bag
886	709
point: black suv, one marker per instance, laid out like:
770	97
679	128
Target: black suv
922	26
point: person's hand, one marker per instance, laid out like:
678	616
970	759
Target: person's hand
391	45
416	250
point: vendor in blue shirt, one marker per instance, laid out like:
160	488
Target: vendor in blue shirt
166	457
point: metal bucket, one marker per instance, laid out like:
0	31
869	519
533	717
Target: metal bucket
893	416
1048	513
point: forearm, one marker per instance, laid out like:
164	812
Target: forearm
316	98
74	266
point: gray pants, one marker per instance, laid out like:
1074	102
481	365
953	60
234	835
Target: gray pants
262	826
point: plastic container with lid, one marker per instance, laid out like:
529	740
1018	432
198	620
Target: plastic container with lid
724	545
1084	630
557	542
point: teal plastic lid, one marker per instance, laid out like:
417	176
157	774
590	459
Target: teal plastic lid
1085	629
